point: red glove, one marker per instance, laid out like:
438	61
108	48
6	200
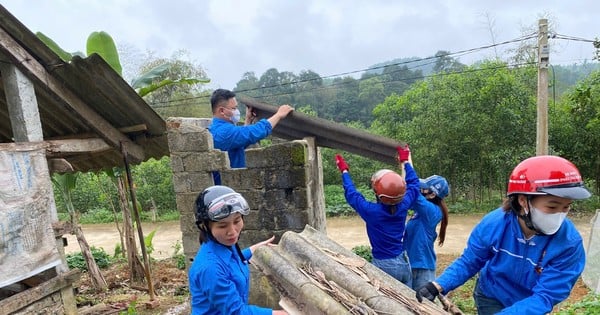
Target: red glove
403	153
340	163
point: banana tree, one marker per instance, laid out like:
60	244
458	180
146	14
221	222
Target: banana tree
102	44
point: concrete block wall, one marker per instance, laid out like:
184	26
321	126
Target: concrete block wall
281	183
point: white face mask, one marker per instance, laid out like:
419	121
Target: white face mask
236	116
547	223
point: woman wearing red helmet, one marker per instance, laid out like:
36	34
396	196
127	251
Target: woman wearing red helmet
527	253
385	219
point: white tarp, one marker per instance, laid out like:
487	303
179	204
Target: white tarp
591	273
27	244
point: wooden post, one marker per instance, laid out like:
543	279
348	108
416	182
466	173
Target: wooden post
542	89
27	127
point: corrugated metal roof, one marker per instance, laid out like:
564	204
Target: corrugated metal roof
328	134
101	90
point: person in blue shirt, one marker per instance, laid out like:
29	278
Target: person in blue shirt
219	277
228	136
385	219
527	253
428	210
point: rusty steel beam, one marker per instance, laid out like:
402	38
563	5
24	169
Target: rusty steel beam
327	133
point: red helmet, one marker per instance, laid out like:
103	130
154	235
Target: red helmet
547	175
389	186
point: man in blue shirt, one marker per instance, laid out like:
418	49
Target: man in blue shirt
227	136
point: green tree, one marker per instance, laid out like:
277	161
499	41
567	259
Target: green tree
471	127
445	63
575	127
174	86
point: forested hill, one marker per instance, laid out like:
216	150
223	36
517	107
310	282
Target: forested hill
353	98
470	123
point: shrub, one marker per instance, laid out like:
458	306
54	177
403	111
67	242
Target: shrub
76	260
363	251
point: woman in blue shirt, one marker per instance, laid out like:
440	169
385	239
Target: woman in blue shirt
527	253
219	277
419	237
385	219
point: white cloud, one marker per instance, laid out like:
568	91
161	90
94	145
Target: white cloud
230	37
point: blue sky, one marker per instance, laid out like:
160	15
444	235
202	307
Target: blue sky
230	37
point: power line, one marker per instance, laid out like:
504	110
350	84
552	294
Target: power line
573	38
338	84
418	63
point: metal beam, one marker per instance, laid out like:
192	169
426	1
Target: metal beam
327	133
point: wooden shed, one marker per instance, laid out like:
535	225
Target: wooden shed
56	116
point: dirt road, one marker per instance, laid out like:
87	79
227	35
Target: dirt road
347	231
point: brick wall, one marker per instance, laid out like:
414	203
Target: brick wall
282	182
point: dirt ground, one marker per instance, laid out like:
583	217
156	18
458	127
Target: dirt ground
171	283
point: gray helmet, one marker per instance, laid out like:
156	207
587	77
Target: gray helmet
218	202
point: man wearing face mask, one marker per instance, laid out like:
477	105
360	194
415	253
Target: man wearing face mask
227	136
527	253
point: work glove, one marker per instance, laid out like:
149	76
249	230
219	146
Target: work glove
403	153
428	291
340	163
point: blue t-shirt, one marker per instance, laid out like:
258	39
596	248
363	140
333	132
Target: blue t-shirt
384	229
420	233
235	139
220	281
526	276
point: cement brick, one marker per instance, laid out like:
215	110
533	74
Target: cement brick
210	161
176	163
286	154
243	178
281	178
190	139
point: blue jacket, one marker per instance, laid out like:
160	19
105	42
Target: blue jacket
220	281
420	233
526	276
235	139
385	230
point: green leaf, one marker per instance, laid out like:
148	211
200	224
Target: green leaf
153	87
65	56
147	78
102	44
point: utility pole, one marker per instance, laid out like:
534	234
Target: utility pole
542	89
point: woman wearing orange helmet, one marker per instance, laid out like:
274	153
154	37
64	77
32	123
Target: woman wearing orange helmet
385	219
527	253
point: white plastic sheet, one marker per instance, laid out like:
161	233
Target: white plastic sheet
27	243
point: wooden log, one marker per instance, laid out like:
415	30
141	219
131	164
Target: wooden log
28	297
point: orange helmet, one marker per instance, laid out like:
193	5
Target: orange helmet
389	186
547	175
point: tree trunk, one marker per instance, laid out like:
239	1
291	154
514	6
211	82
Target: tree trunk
98	281
135	265
114	210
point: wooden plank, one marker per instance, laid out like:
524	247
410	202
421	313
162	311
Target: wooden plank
56	148
30	296
328	134
29	65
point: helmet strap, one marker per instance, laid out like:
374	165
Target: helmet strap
527	217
